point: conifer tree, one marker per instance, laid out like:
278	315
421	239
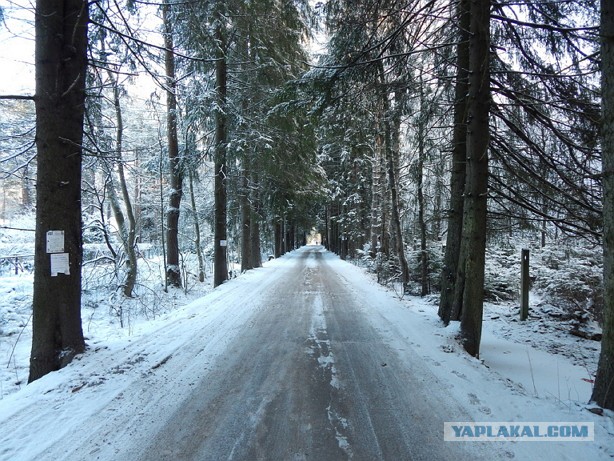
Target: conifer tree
61	65
603	392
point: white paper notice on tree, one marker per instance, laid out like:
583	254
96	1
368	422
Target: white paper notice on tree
59	264
55	241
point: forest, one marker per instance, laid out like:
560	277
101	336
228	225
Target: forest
427	141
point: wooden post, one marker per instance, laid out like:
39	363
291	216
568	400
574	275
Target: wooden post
524	284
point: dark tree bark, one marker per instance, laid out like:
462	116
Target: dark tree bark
439	177
127	232
220	264
61	65
287	242
424	261
334	237
250	225
255	252
476	190
173	274
197	241
120	219
250	238
246	224
603	392
377	187
396	219
392	121
457	178
279	237
26	196
138	209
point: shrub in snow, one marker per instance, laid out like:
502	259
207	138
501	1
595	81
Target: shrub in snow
435	255
388	269
363	258
567	277
502	274
570	278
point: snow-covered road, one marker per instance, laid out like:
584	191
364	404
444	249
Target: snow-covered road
303	359
309	377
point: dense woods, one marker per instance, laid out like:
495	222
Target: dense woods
427	141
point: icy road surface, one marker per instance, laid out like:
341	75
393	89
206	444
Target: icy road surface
309	377
305	359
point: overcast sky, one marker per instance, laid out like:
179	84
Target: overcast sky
17	47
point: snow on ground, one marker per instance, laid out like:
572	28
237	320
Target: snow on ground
528	371
106	316
520	377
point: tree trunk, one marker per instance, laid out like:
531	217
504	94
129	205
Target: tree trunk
287	237
173	274
130	246
424	262
161	215
476	191
325	233
377	198
26	197
128	234
138	210
439	173
293	239
255	252
220	264
197	243
448	309
279	232
120	220
61	66
333	228
603	392
392	122
396	223
246	224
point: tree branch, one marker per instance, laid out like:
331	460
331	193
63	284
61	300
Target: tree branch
17	97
